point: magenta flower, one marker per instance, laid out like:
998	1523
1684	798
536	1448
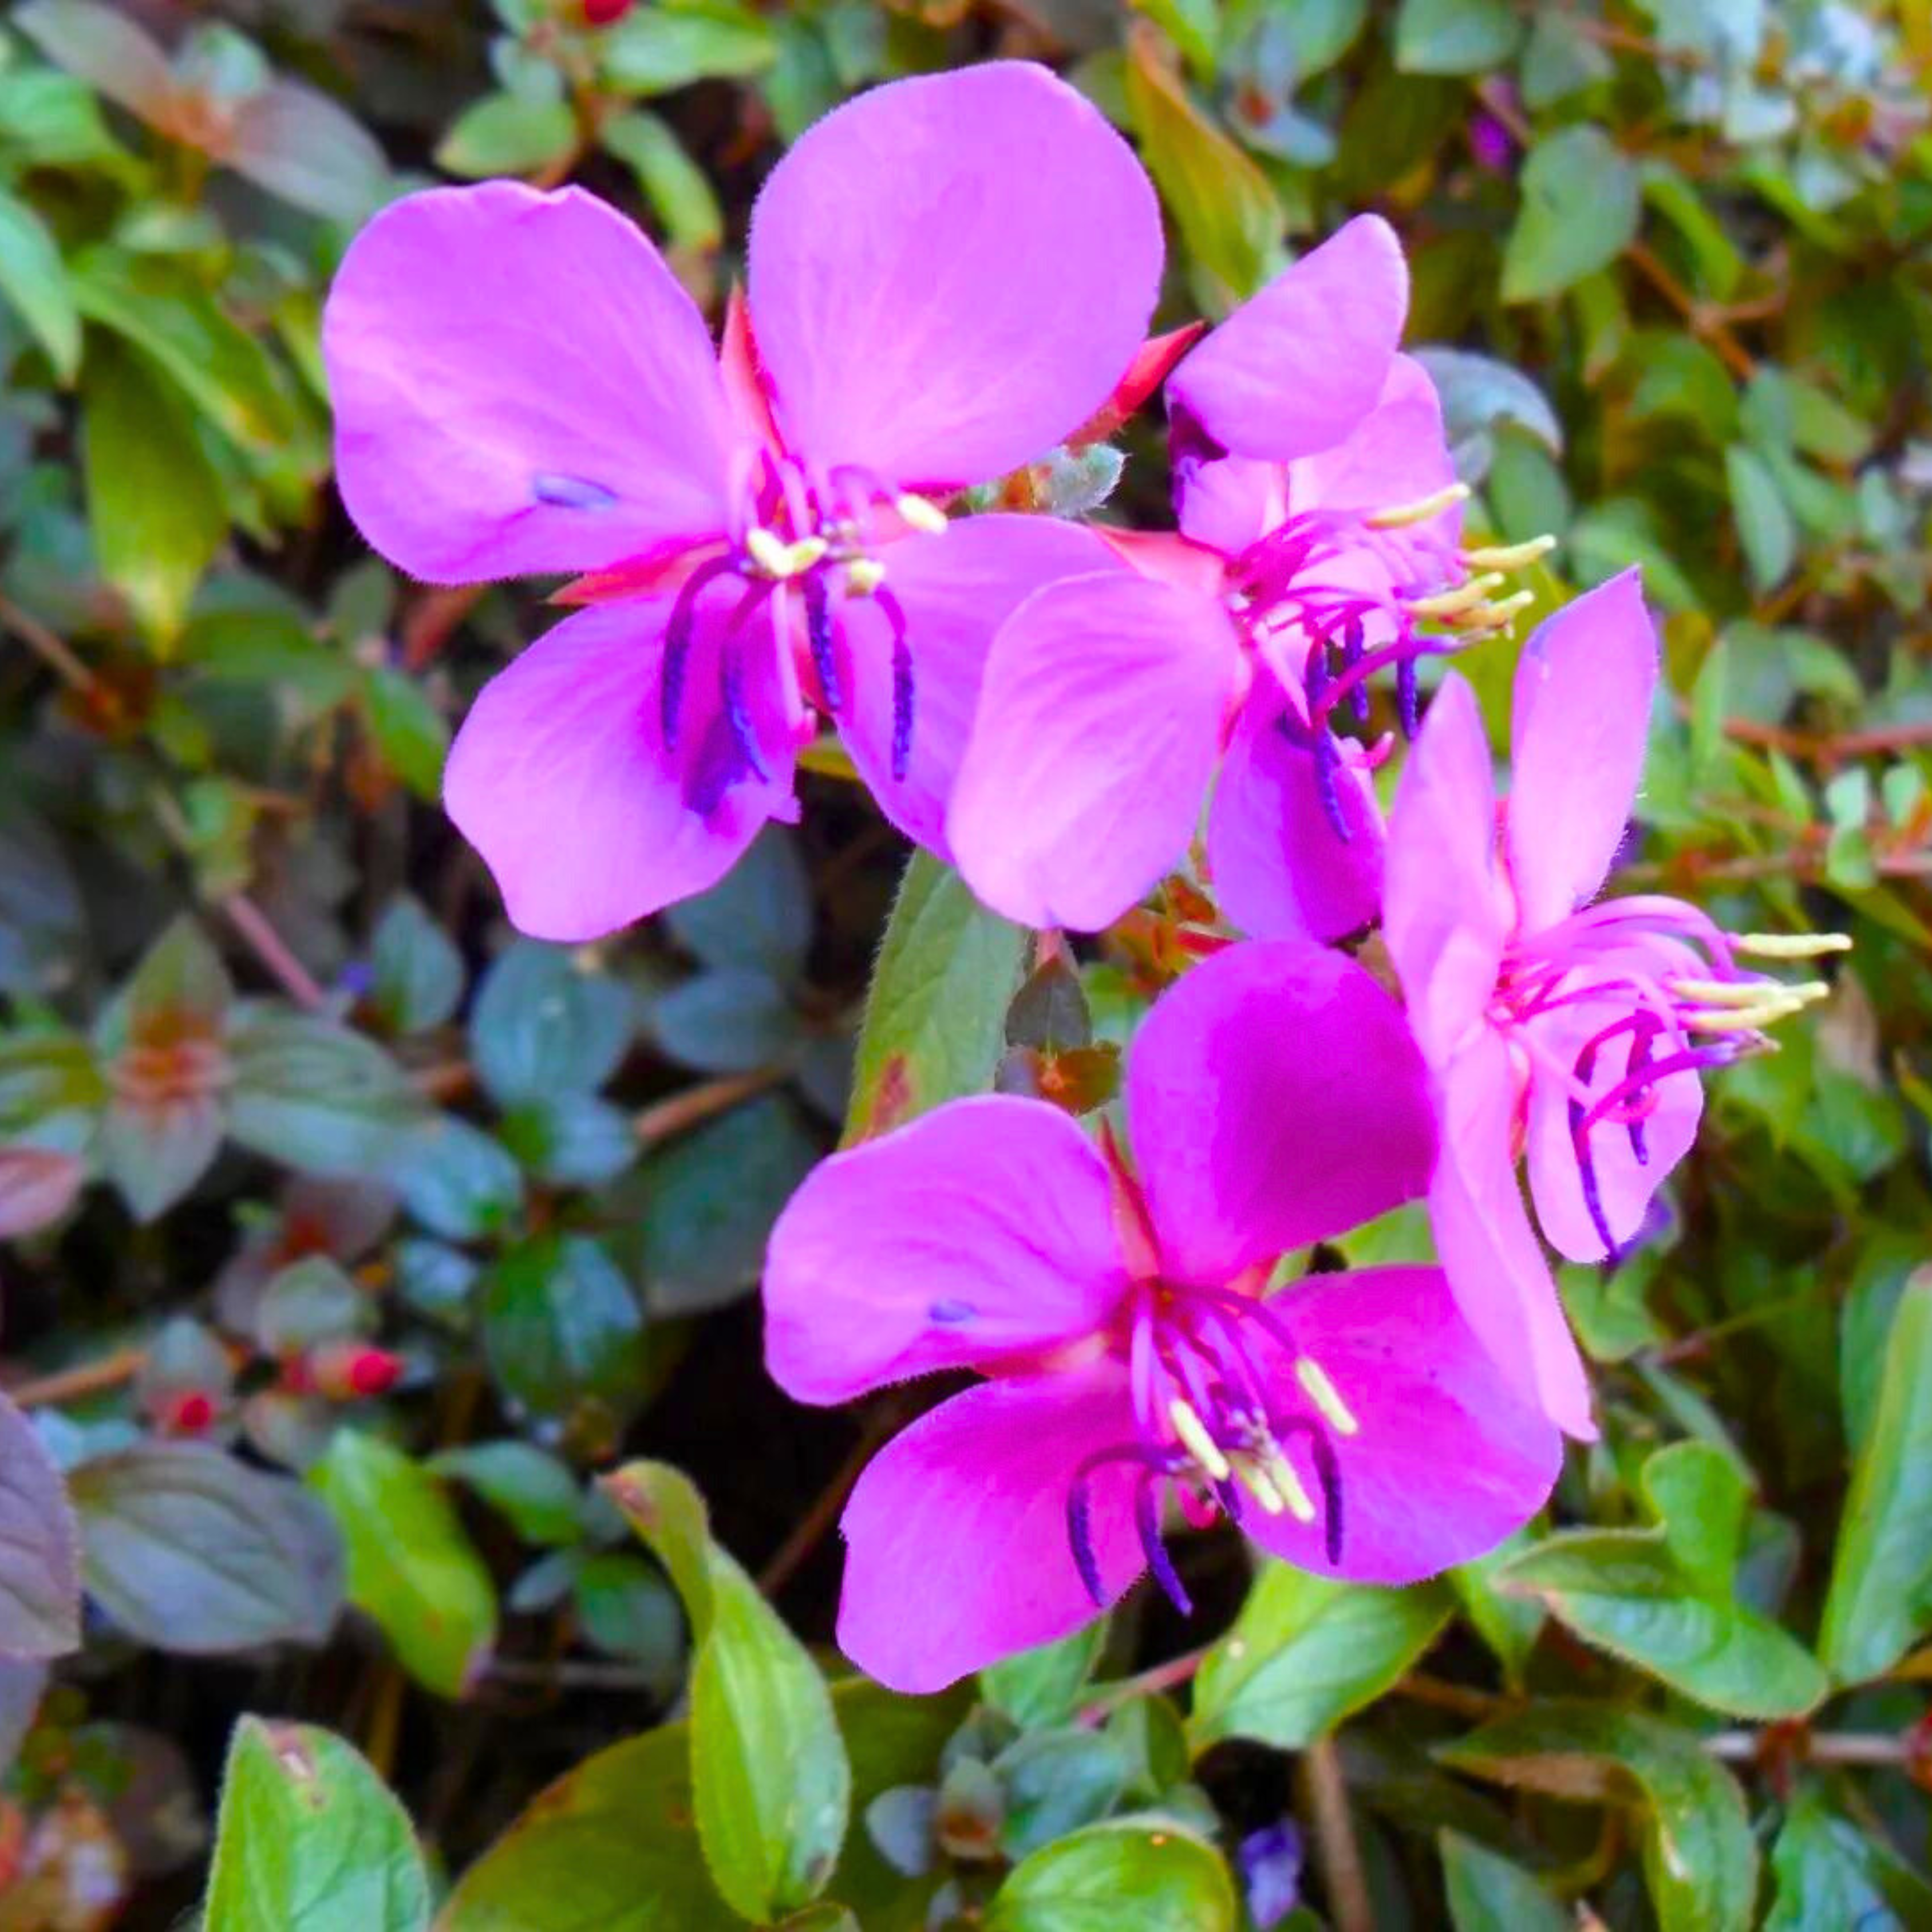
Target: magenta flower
1319	532
1575	1026
948	276
1351	1424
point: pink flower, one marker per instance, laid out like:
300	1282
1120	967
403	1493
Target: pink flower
1319	530
1550	1018
1351	1424
947	277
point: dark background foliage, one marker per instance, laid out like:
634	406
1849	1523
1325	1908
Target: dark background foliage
349	1239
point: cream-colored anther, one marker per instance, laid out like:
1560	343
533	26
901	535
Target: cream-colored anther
1294	1492
921	515
863	575
1747	992
1255	1481
1195	1440
1465	597
1403	515
1745	1019
1508	557
1792	945
1497	616
1326	1397
777	558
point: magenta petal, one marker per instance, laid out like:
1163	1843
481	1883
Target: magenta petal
1279	870
981	1230
1231	503
1443	905
1095	738
560	777
1296	367
1501	1281
1448	1458
1397	454
955	590
949	275
1625	1184
521	385
1583	687
957	1549
1274	1098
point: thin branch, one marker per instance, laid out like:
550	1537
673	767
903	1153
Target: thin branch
84	1378
268	946
811	1528
685	1110
50	649
1335	1850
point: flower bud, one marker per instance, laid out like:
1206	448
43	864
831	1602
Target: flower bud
604	13
350	1371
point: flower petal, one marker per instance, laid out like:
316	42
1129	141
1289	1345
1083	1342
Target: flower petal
1396	454
1501	1281
980	1231
1280	870
1096	738
521	385
950	275
1583	687
1447	1458
1275	1098
956	590
1443	903
957	1546
561	779
1296	367
1231	502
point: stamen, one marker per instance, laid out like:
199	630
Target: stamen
1323	1393
1508	557
679	627
1327	763
818	628
1792	945
920	513
1409	695
1194	1438
1403	514
1255	1481
1147	1520
1448	604
777	559
1745	1019
1747	992
903	694
1586	1176
863	575
737	712
1492	617
1294	1491
1080	1539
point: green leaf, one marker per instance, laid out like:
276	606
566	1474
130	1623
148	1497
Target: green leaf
733	1019
1489	1893
1700	1857
609	1845
657	50
935	1018
34	278
1117	1878
541	1023
406	727
758	915
455	1179
1055	1782
1044	1686
506	134
1880	1600
1581	205
308	1839
417	971
189	1551
1831	1872
153	501
678	190
1227	213
411	1566
625	1607
571	1140
562	1327
40	1580
1766	526
314	1096
529	1485
1305	1651
771	1821
1455	36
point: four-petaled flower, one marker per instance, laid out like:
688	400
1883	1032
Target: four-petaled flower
1319	533
948	276
1351	1424
1548	1017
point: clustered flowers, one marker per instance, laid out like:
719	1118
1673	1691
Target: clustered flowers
948	279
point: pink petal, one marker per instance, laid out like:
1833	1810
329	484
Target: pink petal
1583	687
1275	1098
957	1546
560	777
980	1230
1443	904
1231	503
956	590
1295	367
1448	1458
950	275
1501	1281
521	385
1098	727
1625	1184
1397	454
1279	870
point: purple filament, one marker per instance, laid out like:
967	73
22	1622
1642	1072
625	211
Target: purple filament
904	696
818	627
1147	1520
737	711
680	629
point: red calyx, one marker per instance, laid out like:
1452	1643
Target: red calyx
188	1414
604	13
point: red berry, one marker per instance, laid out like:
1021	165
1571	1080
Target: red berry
605	13
189	1413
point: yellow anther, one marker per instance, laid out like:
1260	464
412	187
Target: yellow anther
777	558
1792	945
920	513
1747	992
1255	1481
1454	603
1293	1491
1420	512
803	554
1195	1440
1321	1391
1745	1019
1497	616
1508	557
863	575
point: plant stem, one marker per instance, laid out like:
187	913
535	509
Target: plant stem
1335	1850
